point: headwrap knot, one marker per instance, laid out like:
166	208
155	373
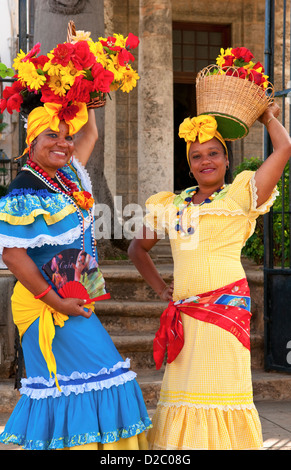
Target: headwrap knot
203	127
50	115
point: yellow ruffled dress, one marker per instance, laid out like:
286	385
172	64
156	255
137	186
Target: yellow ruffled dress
206	399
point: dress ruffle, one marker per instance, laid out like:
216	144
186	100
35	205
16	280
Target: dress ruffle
205	428
109	415
32	218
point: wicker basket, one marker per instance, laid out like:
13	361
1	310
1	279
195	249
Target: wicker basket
99	100
236	103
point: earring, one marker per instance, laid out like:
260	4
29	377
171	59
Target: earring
191	175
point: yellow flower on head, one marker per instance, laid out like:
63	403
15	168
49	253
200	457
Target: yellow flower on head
51	69
69	73
114	67
58	85
129	80
120	40
97	49
18	59
28	75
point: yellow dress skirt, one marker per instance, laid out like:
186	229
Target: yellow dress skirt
206	398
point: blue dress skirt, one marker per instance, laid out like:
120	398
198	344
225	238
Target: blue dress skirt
100	400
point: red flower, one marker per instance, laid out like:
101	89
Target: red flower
82	57
124	57
47	95
69	112
14	103
132	41
257	66
81	90
39	62
111	40
242	73
228	61
242	53
3	104
62	54
101	78
257	77
35	50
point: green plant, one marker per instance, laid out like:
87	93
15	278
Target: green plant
254	247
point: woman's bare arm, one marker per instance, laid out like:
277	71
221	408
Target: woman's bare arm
28	274
269	173
86	139
138	253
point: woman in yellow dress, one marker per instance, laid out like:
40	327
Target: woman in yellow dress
206	398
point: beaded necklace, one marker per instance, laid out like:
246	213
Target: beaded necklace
187	202
66	187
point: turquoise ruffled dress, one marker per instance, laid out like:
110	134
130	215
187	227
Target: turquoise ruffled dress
100	399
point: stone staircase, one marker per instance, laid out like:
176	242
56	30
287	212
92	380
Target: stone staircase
132	317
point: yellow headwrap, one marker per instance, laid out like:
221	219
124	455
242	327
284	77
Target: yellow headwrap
47	116
203	127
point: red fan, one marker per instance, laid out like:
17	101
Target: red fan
76	274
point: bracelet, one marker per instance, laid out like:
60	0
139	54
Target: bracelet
268	122
39	296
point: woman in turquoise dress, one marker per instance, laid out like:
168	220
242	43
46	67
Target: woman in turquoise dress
79	393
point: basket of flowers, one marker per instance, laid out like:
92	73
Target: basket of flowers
78	71
235	91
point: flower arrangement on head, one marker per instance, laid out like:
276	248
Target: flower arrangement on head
238	61
235	90
62	85
74	72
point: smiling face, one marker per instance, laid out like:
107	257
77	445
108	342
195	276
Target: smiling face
208	162
52	150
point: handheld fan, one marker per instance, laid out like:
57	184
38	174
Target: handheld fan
76	274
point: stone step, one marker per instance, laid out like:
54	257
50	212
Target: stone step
125	316
267	386
125	283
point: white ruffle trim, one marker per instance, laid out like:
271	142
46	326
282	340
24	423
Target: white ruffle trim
160	233
207	407
77	388
266	205
83	175
43	239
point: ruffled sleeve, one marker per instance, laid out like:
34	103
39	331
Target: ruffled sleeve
32	218
159	212
244	192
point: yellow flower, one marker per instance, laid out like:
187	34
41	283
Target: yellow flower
28	75
97	49
58	84
220	59
69	73
120	40
18	59
129	80
51	69
114	67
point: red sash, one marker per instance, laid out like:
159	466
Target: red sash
227	307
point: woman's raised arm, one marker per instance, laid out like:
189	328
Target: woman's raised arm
269	173
86	139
